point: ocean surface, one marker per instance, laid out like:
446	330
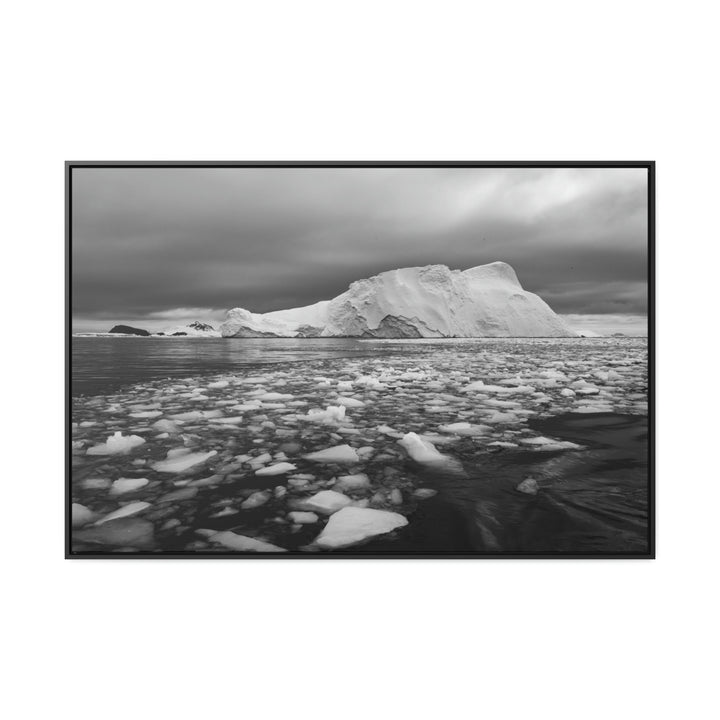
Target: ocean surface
568	415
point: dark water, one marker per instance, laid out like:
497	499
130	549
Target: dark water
102	365
590	501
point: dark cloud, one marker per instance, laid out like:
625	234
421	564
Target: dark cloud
149	241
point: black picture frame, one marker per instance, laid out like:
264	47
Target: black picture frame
355	554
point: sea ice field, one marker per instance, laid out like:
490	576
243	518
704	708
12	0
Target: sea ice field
520	446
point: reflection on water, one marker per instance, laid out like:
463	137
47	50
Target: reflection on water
102	364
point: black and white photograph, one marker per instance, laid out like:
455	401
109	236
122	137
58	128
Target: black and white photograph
360	359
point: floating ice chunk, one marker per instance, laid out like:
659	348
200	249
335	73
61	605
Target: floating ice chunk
242	543
261	459
228	420
130	509
81	515
183	462
88	423
184	493
218	384
225	511
277	469
167	426
116	444
353	525
331	414
336	454
353	482
302	518
255	500
464	428
502	444
370	382
567	392
125	485
176	452
344	385
387	430
349	402
198	415
147	414
529	486
326	502
420	450
587	390
245	407
365	453
424	493
274	396
548	444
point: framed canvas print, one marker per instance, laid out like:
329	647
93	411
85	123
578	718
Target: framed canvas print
347	359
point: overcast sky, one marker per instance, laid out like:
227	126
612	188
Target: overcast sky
165	246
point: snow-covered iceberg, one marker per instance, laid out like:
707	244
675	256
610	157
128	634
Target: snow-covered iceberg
431	301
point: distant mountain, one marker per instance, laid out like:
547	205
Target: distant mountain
127	330
194	329
431	301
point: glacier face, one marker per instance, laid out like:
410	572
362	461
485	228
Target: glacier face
431	301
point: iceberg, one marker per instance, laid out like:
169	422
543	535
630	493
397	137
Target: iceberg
415	302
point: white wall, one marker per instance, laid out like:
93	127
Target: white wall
370	80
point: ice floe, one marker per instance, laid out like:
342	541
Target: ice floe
183	462
117	443
337	454
353	525
242	543
130	509
126	485
278	469
326	502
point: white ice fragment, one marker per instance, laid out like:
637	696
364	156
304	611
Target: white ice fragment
274	396
183	462
424	493
353	525
336	454
125	485
147	414
218	384
327	502
302	518
529	486
331	414
129	509
420	450
81	515
277	469
116	444
349	402
549	445
242	543
198	415
463	428
359	481
255	500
